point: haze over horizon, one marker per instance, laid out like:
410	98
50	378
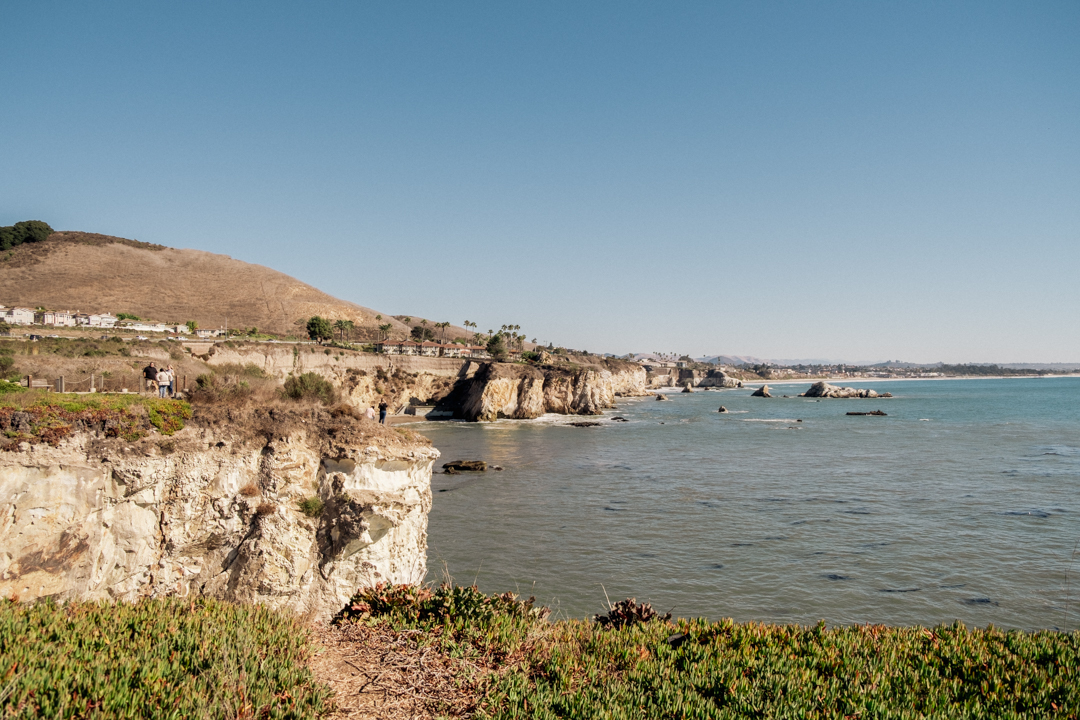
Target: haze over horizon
834	180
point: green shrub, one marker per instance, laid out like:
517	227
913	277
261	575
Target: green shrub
310	386
312	506
170	658
418	606
26	231
167	415
10	387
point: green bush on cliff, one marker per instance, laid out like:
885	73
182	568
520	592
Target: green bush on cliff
310	386
173	658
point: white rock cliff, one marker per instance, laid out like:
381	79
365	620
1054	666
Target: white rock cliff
216	512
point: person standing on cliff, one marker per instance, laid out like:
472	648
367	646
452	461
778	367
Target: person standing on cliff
382	412
172	381
370	413
150	377
163	380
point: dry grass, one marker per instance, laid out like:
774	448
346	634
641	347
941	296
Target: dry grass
377	672
96	273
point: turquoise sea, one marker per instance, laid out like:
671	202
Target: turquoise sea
963	503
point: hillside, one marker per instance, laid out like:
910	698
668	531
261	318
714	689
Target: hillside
87	272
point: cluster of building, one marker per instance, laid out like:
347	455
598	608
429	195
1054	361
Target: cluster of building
430	349
58	318
26	316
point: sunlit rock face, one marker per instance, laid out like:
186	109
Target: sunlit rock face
213	513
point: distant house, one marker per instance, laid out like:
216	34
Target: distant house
148	327
454	350
55	318
429	349
478	351
17	316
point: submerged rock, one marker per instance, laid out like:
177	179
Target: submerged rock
722	409
688	389
661	396
872	412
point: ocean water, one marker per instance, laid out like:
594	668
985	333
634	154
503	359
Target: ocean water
963	503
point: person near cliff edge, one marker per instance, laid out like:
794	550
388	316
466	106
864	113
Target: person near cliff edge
150	378
382	412
164	377
370	413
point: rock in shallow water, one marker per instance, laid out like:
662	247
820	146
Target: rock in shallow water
824	389
465	466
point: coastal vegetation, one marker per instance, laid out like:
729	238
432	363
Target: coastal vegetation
502	657
28	231
701	669
170	658
36	417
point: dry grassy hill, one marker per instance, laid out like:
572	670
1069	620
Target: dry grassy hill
96	273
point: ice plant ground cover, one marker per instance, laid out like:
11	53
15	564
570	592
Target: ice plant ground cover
201	658
174	658
700	669
38	417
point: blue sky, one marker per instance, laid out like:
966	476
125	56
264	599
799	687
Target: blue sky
863	180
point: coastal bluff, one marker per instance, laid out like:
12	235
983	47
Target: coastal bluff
467	389
290	508
502	390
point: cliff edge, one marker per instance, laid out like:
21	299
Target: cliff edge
292	508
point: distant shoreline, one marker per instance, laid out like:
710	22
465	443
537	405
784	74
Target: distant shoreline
910	379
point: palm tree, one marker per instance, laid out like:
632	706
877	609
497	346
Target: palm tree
423	335
349	325
442	326
339	325
385	330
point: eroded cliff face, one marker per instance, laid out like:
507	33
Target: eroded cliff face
499	390
216	511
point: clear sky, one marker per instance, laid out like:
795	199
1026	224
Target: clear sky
862	180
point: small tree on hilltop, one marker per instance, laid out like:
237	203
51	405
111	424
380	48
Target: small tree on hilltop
319	329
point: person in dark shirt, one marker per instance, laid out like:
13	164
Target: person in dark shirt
149	374
382	412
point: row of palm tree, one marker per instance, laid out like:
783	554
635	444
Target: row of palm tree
343	327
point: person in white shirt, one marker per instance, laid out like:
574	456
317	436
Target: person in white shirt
163	380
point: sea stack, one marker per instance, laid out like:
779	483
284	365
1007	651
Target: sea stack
762	391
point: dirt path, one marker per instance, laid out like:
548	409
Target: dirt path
378	673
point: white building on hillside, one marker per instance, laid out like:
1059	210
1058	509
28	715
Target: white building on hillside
17	315
55	318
